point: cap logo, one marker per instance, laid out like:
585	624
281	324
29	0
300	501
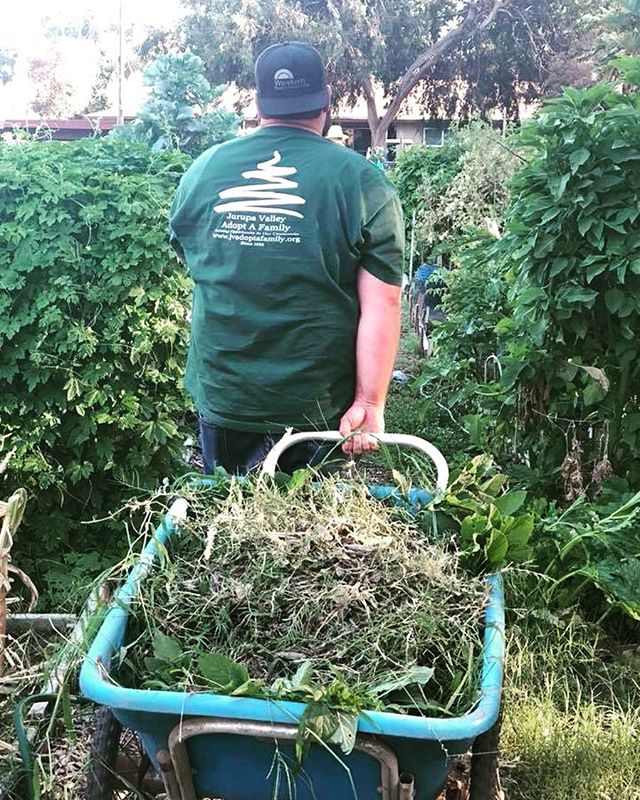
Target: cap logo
284	79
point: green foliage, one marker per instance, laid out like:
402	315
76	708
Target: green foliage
93	329
491	533
181	112
421	173
476	196
574	245
587	546
539	354
456	189
620	34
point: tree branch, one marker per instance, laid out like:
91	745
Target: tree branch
426	59
357	55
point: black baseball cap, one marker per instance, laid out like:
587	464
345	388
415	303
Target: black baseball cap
290	79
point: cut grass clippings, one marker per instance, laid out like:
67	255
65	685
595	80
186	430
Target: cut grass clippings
311	592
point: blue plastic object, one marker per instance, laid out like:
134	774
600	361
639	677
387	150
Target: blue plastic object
243	768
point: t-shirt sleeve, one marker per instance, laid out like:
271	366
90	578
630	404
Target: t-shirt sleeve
381	252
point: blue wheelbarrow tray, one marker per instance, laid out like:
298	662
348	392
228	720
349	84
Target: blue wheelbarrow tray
235	747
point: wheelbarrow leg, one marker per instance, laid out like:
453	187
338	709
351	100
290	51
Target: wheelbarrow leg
168	775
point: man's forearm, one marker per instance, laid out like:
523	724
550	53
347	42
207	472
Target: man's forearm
376	348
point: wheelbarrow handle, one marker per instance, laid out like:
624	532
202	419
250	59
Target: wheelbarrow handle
401	439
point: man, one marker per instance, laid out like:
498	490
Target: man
295	249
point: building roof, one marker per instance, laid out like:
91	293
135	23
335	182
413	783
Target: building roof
63	129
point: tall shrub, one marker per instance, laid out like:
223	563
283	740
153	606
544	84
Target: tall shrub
93	330
183	110
556	300
573	242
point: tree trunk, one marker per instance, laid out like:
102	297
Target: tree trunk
379	136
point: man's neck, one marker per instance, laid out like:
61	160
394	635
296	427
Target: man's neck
310	125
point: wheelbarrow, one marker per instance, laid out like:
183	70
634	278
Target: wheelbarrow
214	746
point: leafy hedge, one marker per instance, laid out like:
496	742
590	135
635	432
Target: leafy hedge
93	332
540	353
573	241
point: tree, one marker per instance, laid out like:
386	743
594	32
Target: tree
8	59
53	94
461	56
620	28
182	111
99	99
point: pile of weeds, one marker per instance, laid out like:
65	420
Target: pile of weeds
314	592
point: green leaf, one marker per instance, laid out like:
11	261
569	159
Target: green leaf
578	158
320	718
302	675
558	184
509	503
503	325
584	224
165	647
613	299
598	375
221	672
518	532
593	393
495	549
156	665
345	732
414	675
620	581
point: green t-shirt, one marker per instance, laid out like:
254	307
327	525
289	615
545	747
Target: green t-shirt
273	227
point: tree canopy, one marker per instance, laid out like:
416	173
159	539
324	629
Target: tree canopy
458	58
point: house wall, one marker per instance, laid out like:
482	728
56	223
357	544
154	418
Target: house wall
409	130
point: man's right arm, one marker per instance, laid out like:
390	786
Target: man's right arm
376	346
379	293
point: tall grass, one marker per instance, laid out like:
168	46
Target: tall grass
571	725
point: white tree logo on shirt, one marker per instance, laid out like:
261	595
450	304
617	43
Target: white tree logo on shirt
273	195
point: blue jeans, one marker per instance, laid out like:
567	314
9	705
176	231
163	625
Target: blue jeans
242	451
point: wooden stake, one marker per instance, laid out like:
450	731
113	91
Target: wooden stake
11	512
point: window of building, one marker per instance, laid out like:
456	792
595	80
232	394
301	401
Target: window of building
435	135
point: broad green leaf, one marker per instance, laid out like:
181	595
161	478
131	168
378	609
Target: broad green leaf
221	672
493	486
613	299
155	665
414	675
302	675
597	374
593	393
558	184
578	158
345	732
620	580
321	719
165	647
509	503
299	478
495	549
584	225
